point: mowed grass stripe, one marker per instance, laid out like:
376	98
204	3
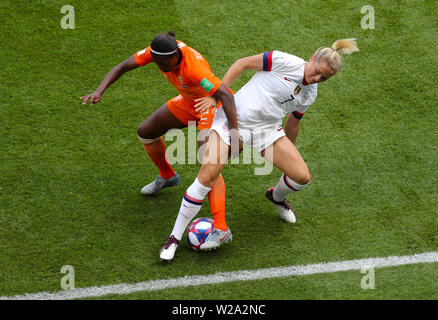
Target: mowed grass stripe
222	277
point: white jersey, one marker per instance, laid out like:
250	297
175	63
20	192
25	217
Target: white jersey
274	92
264	101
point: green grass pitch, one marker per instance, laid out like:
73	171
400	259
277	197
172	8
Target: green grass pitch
70	175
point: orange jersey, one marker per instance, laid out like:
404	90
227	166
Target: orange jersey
193	77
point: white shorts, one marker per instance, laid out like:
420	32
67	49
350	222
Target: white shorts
257	138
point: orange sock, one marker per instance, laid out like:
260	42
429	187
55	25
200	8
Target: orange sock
216	199
157	152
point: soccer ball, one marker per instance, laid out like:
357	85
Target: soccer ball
198	231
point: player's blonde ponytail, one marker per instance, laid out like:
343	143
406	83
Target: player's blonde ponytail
332	56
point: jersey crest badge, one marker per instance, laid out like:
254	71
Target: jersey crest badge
297	90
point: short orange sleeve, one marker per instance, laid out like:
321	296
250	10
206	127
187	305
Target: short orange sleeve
143	57
205	78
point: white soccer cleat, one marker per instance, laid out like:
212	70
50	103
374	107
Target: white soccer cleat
160	183
283	207
216	238
167	252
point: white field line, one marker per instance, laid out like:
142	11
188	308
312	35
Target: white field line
222	277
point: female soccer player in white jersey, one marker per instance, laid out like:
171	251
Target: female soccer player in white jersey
284	85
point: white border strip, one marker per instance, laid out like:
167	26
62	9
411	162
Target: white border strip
223	277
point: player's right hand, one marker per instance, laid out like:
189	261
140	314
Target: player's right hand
93	98
203	104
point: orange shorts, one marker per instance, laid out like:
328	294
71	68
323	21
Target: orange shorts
183	109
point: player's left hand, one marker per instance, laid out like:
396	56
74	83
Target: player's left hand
93	98
203	104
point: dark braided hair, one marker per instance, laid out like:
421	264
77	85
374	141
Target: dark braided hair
165	42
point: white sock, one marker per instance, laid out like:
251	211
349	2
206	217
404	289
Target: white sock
286	186
190	206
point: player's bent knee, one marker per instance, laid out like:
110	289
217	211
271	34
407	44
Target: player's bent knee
144	137
141	132
305	179
300	174
204	178
207	178
147	141
302	178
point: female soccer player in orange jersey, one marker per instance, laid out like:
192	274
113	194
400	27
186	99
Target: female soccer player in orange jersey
190	74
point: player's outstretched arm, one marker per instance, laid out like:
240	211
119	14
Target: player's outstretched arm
236	69
111	77
247	63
